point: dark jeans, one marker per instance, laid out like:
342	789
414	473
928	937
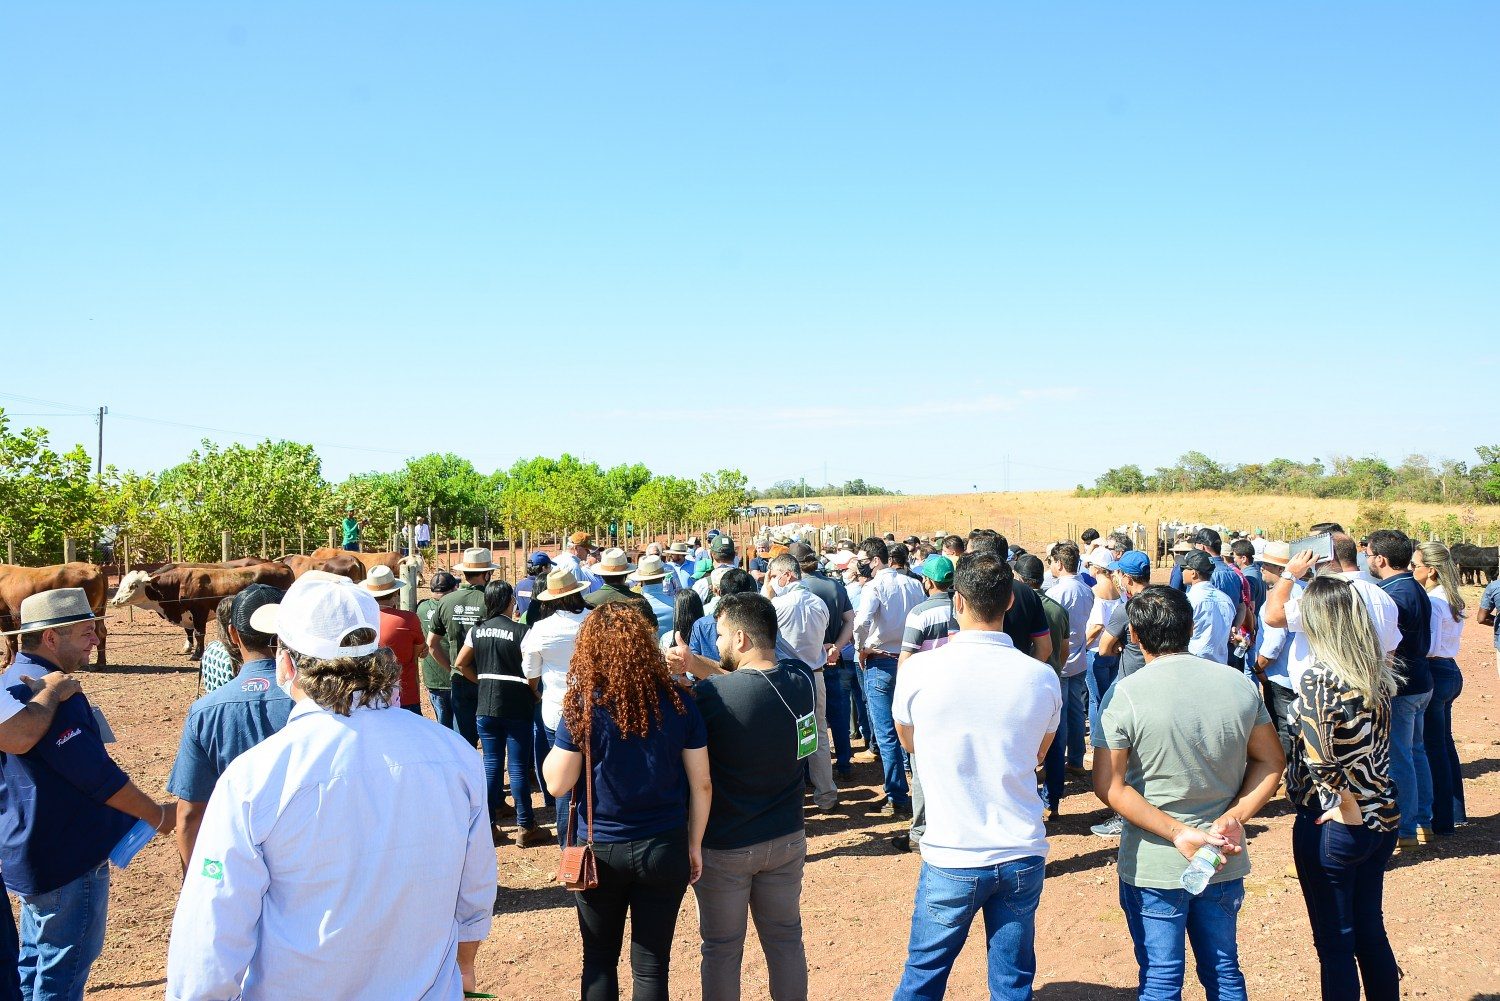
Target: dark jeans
839	682
415	707
1442	755
541	743
1279	704
1342	872
644	881
560	807
1053	773
10	956
352	547
465	706
880	687
507	742
442	705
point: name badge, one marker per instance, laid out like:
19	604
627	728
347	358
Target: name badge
807	735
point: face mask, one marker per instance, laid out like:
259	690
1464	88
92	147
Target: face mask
780	589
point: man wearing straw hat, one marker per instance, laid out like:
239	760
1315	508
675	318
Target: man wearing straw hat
652	575
580	544
458	612
305	882
547	654
400	633
66	803
613	568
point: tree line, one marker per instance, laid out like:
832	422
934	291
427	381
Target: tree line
1416	479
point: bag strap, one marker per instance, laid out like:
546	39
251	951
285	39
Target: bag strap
588	778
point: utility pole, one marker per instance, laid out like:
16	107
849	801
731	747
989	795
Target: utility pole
99	456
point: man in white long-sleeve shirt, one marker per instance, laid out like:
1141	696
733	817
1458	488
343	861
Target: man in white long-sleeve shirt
879	625
349	855
801	623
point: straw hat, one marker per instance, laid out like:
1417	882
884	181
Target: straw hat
612	563
475	561
1277	554
678	549
60	606
651	568
382	582
560	584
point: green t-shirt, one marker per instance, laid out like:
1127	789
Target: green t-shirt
1187	723
1057	622
457	613
351	531
434	675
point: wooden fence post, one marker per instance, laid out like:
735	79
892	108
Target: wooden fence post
302	539
263	543
331	543
224	546
10	551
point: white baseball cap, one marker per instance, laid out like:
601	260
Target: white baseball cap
319	610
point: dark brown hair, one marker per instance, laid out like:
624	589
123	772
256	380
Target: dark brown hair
618	667
332	683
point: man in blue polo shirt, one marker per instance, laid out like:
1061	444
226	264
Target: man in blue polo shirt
65	807
231	719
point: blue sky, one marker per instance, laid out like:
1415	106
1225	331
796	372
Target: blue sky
900	241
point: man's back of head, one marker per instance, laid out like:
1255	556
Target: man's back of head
983	584
1209	540
1161	620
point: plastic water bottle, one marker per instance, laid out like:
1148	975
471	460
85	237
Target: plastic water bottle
134	840
1206	861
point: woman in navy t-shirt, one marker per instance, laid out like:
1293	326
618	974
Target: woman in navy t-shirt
651	796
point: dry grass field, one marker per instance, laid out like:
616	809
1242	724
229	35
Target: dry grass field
1029	518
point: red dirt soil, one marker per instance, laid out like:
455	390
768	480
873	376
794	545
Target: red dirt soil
1440	900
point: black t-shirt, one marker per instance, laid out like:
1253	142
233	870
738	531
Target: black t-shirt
1026	618
752	753
1131	657
503	689
836	596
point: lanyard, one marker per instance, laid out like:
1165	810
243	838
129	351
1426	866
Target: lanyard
807	726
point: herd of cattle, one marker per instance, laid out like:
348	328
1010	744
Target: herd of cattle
185	594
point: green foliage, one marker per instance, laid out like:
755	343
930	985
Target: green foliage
792	489
1416	479
44	495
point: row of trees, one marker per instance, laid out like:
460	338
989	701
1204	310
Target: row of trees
791	489
277	491
1417	478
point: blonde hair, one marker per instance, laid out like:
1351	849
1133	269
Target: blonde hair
1437	556
333	684
1343	639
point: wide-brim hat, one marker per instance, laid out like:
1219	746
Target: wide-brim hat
475	561
678	549
61	606
560	584
651	568
1276	553
612	563
381	582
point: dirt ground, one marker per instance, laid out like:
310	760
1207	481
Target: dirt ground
1440	901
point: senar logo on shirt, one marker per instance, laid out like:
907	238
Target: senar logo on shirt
213	869
68	735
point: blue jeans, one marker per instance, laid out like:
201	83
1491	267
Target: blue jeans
560	808
1075	693
838	682
465	706
62	933
1053	773
442	705
1161	921
947	900
541	743
1437	740
860	720
507	741
1101	674
1409	762
1342	872
880	686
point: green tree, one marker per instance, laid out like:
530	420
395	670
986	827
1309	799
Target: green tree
45	495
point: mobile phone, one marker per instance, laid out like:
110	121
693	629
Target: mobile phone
1321	545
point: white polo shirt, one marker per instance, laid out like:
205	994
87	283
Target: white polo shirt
1383	614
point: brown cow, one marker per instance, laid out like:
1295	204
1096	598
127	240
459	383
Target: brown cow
370	560
188	595
342	563
19	583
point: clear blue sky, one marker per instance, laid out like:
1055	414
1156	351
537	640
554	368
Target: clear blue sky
902	240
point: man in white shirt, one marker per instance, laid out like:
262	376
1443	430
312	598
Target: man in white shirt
879	627
1213	613
1077	599
801	621
349	855
1283	607
985	848
575	559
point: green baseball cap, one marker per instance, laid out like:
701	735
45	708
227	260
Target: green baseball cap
938	569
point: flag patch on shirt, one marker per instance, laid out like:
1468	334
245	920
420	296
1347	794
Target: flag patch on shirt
69	735
213	869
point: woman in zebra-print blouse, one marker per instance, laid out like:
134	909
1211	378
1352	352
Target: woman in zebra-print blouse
1339	778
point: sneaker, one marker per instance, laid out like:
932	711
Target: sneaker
1110	828
1076	770
891	808
1407	843
901	842
533	835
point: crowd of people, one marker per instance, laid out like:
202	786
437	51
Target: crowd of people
672	715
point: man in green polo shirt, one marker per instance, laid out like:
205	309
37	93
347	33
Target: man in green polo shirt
437	677
457	613
352	525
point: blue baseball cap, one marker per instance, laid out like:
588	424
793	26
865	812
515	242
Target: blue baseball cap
1134	563
538	559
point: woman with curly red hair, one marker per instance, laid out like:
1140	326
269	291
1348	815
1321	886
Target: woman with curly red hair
651	796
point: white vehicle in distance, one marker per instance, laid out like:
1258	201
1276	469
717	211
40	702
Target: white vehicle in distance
810	508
